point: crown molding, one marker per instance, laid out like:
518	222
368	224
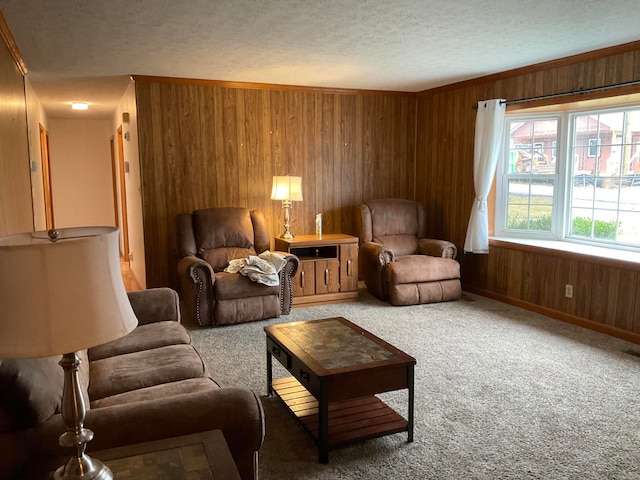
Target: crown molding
11	44
266	86
557	63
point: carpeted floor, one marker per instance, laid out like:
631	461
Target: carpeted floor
501	393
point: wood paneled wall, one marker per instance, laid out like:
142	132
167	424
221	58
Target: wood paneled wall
16	212
204	144
605	295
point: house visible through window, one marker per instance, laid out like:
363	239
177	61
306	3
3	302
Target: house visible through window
572	176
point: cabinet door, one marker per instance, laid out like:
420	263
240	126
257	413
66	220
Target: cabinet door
327	276
349	268
302	283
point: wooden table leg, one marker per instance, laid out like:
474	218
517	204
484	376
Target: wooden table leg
410	384
323	423
269	374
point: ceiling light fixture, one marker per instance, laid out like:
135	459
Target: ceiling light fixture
79	106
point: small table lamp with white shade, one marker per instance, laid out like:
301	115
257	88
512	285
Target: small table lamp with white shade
288	189
61	292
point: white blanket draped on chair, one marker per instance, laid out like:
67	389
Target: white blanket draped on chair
263	268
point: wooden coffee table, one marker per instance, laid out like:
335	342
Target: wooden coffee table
338	368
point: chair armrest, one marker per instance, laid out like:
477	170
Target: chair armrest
289	270
376	253
196	286
155	305
437	248
373	259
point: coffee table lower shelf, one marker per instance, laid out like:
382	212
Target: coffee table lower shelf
349	421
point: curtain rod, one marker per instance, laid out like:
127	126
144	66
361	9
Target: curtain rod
564	94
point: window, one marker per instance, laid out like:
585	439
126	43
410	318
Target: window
572	176
594	151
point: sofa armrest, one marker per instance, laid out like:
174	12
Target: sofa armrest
196	284
234	410
373	259
437	248
155	305
289	270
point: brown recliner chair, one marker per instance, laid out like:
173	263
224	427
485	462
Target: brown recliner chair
400	265
207	241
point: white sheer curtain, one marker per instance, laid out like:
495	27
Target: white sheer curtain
488	140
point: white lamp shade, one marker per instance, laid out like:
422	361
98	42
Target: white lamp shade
63	296
287	188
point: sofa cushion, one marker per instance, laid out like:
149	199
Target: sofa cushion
420	269
223	227
229	286
190	385
31	391
131	371
144	337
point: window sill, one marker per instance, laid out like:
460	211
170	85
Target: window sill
600	255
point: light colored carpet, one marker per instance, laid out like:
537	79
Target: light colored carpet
501	393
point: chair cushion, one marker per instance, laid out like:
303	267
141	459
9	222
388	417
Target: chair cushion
421	269
394	217
223	227
399	244
429	292
219	258
230	286
246	309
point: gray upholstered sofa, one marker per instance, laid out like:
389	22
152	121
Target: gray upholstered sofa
148	385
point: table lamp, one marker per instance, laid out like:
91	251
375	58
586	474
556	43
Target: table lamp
288	189
62	291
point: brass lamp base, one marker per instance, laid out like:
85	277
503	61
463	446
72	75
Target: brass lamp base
85	468
286	205
80	466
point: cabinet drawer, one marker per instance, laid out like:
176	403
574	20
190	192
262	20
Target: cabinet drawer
279	352
306	377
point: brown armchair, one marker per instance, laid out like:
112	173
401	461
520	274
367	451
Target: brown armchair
400	265
207	241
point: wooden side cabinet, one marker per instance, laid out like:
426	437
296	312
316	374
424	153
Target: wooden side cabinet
328	270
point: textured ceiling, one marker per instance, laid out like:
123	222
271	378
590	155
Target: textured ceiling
85	50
